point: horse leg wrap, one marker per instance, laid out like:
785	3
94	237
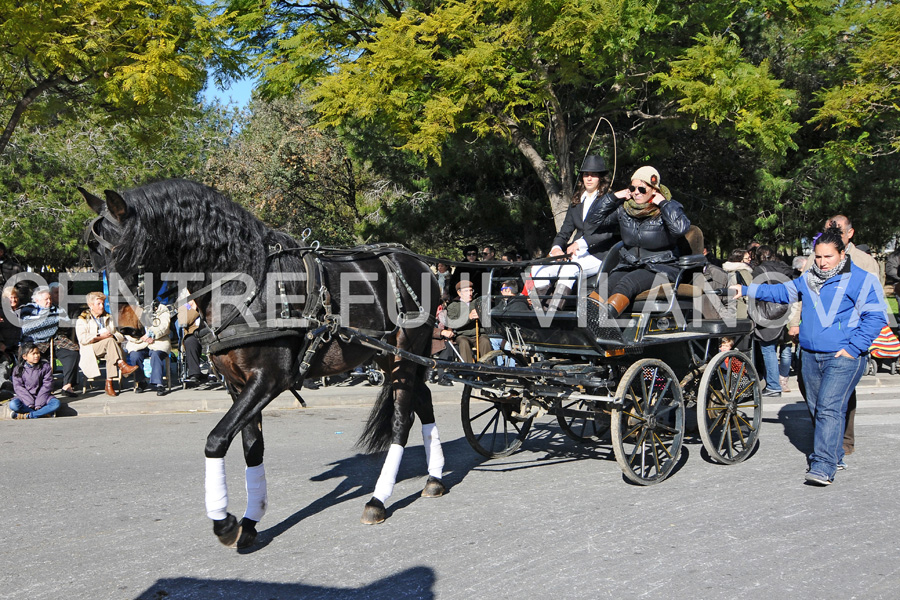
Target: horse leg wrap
257	496
216	489
385	485
434	455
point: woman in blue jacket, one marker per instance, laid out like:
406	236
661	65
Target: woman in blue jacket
843	311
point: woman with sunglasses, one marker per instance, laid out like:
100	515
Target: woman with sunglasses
650	225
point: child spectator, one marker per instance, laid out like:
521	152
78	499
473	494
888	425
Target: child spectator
32	382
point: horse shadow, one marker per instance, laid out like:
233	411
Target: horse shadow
415	582
546	445
361	467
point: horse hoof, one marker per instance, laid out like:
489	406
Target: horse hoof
434	488
248	534
374	512
227	530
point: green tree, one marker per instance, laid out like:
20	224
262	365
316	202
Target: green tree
128	57
536	73
43	216
290	174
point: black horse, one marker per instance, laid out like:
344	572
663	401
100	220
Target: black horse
181	229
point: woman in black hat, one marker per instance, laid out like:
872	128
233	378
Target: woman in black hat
585	244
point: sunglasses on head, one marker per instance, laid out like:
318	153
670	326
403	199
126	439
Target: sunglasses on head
638	189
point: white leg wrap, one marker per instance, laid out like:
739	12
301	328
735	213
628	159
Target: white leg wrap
388	477
257	496
216	489
434	456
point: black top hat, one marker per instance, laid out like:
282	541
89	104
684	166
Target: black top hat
593	164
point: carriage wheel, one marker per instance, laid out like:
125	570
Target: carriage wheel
585	425
648	425
729	407
489	424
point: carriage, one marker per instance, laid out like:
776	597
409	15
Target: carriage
635	377
632	381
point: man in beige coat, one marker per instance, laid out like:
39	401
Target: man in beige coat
98	338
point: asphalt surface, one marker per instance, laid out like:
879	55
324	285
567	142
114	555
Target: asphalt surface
112	507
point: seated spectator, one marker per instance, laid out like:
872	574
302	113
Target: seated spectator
462	323
32	382
41	321
155	345
189	321
10	333
444	277
98	338
511	300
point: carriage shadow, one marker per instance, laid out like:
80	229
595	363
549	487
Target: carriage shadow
365	467
416	582
548	445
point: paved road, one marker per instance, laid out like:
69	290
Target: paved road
113	508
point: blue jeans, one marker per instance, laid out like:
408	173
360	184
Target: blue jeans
829	383
20	407
775	364
157	364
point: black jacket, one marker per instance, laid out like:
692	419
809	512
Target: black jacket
598	239
650	242
770	271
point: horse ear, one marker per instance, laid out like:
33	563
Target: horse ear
93	201
116	205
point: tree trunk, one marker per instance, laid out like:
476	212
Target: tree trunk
559	199
21	106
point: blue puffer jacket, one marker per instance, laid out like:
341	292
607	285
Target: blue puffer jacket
848	312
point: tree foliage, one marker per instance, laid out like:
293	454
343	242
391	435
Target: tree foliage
126	56
44	216
290	174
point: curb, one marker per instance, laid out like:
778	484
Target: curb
200	400
217	400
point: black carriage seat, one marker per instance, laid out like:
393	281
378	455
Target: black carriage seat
661	299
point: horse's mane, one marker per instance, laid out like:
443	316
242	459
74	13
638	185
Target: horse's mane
185	226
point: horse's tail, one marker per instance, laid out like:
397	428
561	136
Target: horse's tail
379	431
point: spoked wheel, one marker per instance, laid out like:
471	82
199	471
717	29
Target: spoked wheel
648	426
488	421
729	407
581	423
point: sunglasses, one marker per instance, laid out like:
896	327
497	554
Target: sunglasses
505	288
471	254
485	253
639	189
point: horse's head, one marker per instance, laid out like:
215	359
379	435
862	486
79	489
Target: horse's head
103	235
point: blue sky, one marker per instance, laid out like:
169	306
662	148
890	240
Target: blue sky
239	92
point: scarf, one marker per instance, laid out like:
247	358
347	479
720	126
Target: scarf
640	211
816	277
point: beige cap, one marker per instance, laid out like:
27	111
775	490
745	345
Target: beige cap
648	174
